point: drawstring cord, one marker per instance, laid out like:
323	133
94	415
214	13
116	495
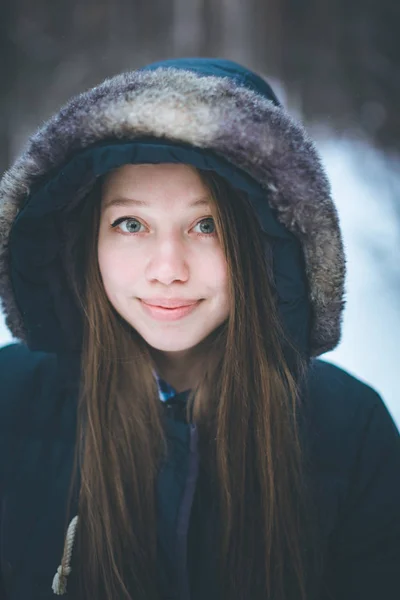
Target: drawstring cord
60	578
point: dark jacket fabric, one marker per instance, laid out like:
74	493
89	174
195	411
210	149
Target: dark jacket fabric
214	115
355	456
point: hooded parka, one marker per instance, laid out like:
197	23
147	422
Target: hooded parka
218	116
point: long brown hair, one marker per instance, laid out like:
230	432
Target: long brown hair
246	409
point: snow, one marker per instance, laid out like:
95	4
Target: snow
364	188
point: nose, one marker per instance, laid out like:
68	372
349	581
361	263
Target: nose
167	262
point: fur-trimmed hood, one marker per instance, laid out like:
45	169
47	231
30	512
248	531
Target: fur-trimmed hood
214	107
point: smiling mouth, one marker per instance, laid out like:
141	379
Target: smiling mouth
169	313
169	304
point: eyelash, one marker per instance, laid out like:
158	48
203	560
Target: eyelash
120	220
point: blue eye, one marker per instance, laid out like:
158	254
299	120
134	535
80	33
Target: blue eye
132	225
128	225
207	226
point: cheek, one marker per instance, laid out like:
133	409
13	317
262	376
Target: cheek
214	274
105	258
116	268
222	278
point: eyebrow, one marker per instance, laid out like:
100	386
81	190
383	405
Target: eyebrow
122	201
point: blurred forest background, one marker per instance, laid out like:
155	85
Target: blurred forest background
334	63
339	60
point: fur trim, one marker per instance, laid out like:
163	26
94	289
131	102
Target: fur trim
213	113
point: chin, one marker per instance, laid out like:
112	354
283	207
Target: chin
171	341
170	346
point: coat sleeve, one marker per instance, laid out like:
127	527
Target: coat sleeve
22	373
364	558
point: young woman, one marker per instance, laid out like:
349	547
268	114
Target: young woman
172	263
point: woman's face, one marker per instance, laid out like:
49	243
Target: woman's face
160	259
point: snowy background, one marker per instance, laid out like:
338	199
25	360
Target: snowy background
364	185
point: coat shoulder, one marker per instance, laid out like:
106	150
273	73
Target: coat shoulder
326	376
348	424
337	395
24	377
33	412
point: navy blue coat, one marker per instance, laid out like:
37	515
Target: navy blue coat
355	453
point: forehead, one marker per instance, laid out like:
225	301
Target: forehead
148	183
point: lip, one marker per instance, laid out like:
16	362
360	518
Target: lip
169	302
177	309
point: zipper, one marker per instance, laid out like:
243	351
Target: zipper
184	515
